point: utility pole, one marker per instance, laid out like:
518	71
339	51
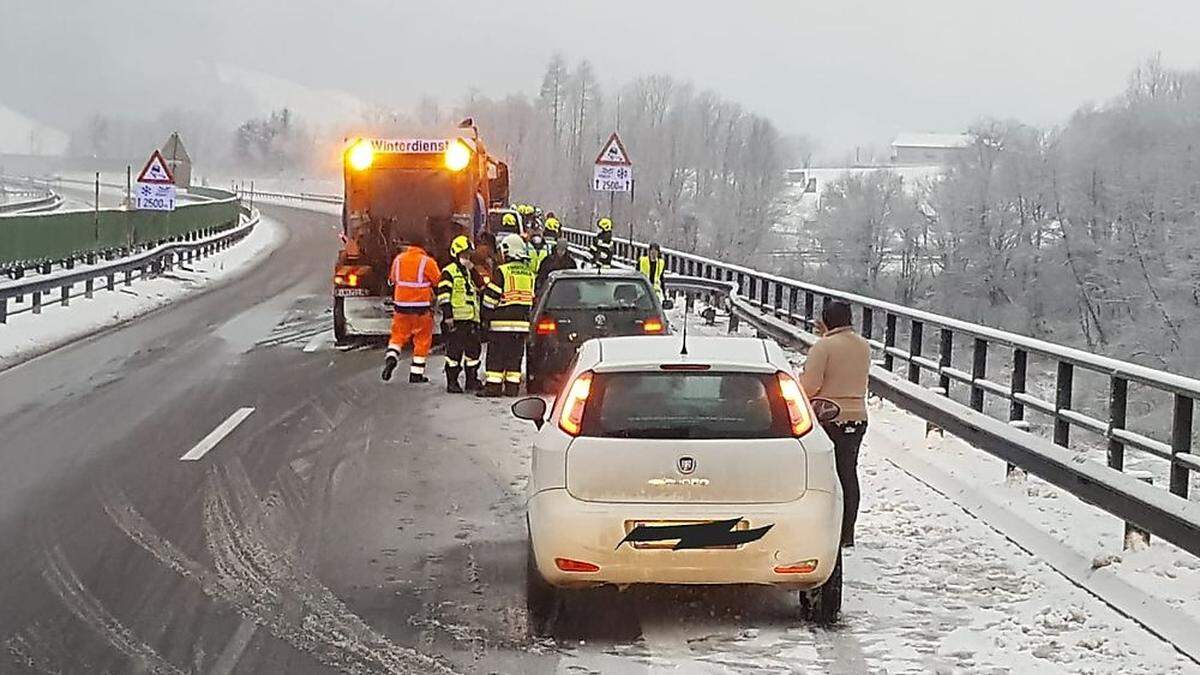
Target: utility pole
96	213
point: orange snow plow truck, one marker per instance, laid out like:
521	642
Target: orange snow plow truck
400	191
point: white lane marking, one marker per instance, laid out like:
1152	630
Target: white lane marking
314	344
210	441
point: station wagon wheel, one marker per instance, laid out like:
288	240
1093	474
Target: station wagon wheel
823	605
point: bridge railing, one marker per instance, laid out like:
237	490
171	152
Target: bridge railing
901	337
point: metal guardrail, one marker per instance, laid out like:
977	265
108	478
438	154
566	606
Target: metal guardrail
45	202
291	197
162	258
787	309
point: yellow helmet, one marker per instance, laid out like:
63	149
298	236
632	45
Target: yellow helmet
460	244
552	224
524	209
605	224
509	220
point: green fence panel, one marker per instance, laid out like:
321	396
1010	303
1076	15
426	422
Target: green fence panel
53	236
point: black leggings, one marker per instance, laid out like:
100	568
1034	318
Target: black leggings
847	438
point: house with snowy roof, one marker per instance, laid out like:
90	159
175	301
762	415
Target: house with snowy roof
929	149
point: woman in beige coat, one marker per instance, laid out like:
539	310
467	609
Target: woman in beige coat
836	370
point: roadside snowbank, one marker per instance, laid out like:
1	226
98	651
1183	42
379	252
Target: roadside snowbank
27	335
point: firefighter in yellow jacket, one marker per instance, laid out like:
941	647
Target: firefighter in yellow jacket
508	301
458	298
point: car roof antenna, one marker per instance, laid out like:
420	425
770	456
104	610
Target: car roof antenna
683	351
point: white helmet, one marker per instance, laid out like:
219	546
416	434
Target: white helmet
513	247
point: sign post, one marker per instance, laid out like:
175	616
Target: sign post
155	186
613	173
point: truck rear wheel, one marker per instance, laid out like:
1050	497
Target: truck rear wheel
339	320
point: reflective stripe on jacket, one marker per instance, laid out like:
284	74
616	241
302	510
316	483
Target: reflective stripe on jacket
602	249
412	276
457	295
509	296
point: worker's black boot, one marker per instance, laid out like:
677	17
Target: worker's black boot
473	383
512	388
490	390
389	365
417	378
452	385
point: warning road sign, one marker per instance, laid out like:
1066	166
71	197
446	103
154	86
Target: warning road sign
156	171
613	153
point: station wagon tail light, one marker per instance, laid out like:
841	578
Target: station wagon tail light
652	326
546	326
571	419
685	366
568	565
799	413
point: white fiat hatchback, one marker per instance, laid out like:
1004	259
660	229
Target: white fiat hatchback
661	467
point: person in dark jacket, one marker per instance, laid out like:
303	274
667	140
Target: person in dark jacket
559	259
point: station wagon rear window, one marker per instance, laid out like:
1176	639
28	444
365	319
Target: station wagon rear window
600	294
686	405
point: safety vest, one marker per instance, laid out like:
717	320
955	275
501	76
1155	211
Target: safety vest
457	294
536	256
511	300
655	275
412	276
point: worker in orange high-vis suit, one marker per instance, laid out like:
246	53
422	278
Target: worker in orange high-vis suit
413	275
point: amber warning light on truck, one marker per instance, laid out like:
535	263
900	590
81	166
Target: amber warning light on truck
361	153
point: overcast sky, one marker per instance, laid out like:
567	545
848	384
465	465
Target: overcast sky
843	71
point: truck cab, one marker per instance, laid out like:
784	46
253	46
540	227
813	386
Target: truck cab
401	191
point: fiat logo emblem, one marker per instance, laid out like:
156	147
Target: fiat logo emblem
601	320
686	465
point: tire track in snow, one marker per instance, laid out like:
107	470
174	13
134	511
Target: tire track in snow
80	601
261	582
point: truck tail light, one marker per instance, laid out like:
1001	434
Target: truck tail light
350	277
571	419
799	412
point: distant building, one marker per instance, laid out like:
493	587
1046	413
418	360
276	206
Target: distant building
929	149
